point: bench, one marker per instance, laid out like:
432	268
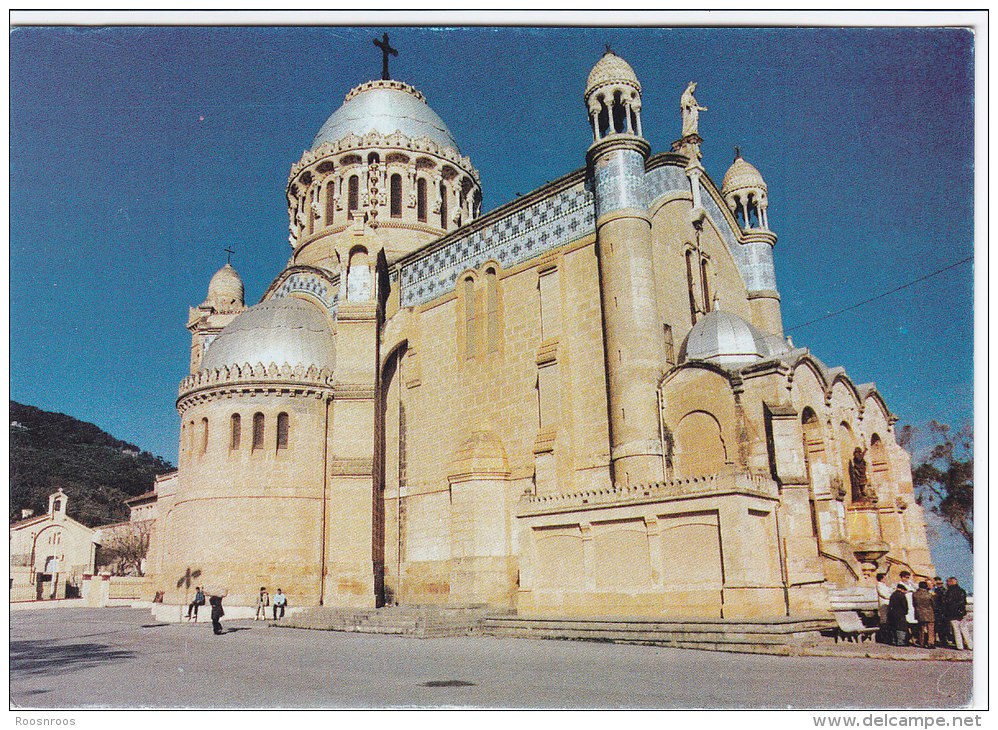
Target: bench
847	605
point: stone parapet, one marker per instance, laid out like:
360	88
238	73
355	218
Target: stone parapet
310	381
630	494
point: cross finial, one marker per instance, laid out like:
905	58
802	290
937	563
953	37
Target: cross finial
228	250
386	49
738	153
607	49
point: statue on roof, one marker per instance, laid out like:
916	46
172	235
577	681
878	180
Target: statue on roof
691	110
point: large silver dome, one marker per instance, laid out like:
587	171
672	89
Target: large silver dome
283	330
727	339
385	107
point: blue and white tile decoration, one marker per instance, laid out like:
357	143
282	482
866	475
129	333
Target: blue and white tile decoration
549	223
559	219
310	284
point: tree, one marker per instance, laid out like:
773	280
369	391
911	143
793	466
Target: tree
944	474
123	548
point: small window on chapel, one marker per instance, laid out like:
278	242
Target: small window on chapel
353	194
257	430
236	428
282	430
204	435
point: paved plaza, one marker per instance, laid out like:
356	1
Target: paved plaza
122	657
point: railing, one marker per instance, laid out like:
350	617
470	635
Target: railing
673	488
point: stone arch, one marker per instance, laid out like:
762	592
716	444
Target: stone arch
880	467
699	445
390	474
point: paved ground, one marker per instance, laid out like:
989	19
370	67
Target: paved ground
120	657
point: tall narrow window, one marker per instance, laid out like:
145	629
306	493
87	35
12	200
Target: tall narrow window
443	206
330	202
689	287
311	209
703	285
204	435
353	194
469	317
396	195
257	430
236	431
669	345
282	430
492	309
421	199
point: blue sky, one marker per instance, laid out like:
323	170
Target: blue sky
139	154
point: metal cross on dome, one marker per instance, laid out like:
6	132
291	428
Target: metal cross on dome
386	48
228	250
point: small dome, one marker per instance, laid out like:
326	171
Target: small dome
386	107
282	330
611	69
741	175
225	290
727	339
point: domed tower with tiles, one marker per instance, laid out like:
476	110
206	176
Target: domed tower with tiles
581	403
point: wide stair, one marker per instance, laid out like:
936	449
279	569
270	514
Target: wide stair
759	636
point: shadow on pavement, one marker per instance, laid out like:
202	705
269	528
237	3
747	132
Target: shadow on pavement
45	656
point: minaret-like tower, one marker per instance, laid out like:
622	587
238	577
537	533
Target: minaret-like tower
744	191
632	332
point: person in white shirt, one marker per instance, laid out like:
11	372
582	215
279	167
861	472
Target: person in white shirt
280	601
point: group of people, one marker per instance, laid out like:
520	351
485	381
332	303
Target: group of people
917	615
280	603
263	600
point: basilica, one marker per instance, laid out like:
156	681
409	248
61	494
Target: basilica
580	404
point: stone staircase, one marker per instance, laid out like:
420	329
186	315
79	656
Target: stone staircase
418	621
757	636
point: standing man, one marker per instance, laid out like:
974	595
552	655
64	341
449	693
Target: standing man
897	615
883	600
955	611
280	601
262	601
216	614
938	608
911	587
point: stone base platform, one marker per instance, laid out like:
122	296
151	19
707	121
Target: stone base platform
418	621
762	636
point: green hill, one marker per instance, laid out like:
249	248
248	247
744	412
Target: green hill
97	471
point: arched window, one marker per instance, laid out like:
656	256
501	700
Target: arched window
689	286
330	202
235	429
353	194
421	199
358	276
257	430
311	209
469	317
282	430
619	118
396	196
493	334
669	345
703	284
57	505
204	435
443	206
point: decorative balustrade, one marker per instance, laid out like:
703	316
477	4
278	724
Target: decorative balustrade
621	493
256	373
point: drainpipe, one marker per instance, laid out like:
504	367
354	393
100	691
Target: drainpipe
781	550
325	490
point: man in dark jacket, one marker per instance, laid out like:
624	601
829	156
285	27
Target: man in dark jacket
897	615
955	611
942	624
216	613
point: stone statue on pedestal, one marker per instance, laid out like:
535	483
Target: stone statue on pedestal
691	110
860	483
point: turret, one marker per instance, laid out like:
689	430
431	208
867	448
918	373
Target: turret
223	302
632	333
745	192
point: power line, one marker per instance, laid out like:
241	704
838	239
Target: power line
880	296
